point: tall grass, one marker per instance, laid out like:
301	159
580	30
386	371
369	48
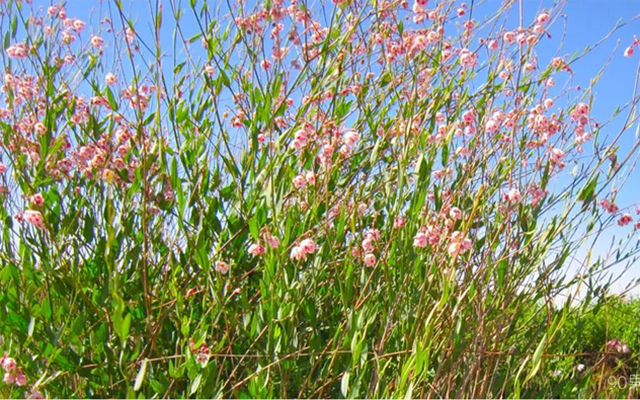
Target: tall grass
301	199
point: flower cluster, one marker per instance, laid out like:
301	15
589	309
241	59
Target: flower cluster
300	252
13	374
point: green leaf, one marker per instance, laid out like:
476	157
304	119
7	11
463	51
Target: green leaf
195	385
141	374
111	99
344	386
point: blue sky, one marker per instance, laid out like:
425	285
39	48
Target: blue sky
587	21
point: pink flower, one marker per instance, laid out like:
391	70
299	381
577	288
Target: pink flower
582	109
301	136
370	260
362	208
557	156
35	218
9	378
491	126
265	64
110	78
543	18
37	395
78	25
97	42
256	249
626	219
420	240
367	244
297	253
351	138
308	246
17	51
493	45
299	182
222	267
9	364
548	103
454	248
311	178
273	241
39	128
209	70
21	379
609	206
468	116
509	37
628	52
514	195
373	233
37	199
455	213
398	222
3	169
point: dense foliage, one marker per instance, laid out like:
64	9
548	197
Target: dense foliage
307	199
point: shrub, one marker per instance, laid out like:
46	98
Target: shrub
343	199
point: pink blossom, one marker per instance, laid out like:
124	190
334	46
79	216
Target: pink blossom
367	244
311	178
35	218
209	70
299	182
609	206
36	395
373	233
625	219
548	103
455	213
628	52
256	249
37	199
21	379
110	78
78	25
273	241
454	248
420	240
9	378
468	116
582	109
17	51
491	126
39	128
514	195
297	253
509	37
222	267
543	18
557	156
398	222
362	208
351	138
9	364
370	260
308	246
97	42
